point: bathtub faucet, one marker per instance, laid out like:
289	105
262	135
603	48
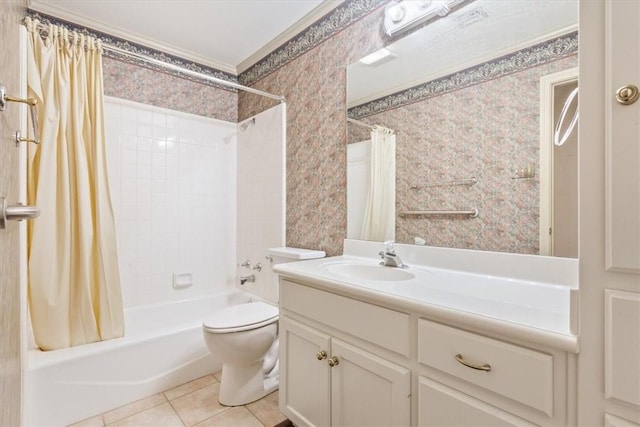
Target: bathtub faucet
244	279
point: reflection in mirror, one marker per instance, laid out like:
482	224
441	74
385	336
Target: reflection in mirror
474	99
371	185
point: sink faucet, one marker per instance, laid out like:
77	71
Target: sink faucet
389	256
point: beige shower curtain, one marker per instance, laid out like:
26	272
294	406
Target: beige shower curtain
74	283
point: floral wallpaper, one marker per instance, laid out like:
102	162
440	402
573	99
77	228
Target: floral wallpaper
314	84
140	84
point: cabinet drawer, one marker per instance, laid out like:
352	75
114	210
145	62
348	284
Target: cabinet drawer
441	406
381	326
518	373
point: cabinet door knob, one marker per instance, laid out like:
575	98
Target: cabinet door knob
627	95
333	361
486	367
321	355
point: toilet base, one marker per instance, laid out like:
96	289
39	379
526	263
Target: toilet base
242	384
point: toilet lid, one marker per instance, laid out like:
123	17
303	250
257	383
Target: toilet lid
241	317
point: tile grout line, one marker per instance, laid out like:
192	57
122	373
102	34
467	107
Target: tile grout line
135	413
165	399
178	414
184	423
254	415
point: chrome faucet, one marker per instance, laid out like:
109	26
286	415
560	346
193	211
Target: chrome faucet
244	279
389	256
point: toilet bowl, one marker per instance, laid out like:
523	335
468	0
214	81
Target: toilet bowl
244	337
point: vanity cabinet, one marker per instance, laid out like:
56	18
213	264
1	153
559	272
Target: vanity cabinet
347	362
325	379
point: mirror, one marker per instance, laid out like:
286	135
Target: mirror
474	99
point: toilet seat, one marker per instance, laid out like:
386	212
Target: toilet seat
241	317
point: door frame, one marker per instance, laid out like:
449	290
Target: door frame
548	83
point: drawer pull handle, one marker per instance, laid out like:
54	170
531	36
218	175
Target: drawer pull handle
321	355
486	367
334	361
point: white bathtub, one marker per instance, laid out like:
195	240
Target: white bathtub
162	347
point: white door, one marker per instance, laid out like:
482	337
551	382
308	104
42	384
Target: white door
609	237
367	390
304	376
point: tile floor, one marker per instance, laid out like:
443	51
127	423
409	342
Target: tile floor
192	404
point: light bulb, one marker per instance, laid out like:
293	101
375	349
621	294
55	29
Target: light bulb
396	13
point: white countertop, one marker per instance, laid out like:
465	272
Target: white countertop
522	309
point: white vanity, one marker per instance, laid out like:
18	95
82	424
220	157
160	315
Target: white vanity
459	338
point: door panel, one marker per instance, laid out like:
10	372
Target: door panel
367	390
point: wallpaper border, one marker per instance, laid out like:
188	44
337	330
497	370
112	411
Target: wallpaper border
542	53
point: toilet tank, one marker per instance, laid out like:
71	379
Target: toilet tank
281	255
286	254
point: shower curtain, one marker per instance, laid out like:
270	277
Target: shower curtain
74	282
379	215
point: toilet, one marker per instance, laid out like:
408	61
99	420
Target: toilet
245	336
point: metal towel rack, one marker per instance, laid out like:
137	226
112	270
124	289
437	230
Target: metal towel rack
471	213
465	181
33	110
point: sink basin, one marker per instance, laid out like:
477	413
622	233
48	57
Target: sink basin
370	272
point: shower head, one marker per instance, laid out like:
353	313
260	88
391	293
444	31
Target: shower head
248	123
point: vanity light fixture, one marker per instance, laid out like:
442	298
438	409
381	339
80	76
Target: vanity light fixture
376	57
404	14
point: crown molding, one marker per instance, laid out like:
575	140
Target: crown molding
49	8
302	24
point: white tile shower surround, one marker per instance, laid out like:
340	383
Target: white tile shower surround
261	197
173	185
192	404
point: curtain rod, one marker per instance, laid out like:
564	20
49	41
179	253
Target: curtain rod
183	70
359	123
367	125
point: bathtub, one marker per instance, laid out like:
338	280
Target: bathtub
162	347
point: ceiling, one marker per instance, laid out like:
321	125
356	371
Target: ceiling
229	35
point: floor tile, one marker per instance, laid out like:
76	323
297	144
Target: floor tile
198	405
96	421
189	387
161	415
266	410
238	416
133	408
218	375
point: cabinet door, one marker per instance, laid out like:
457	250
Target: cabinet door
441	406
367	390
304	374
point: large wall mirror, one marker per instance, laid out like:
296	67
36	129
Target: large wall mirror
462	131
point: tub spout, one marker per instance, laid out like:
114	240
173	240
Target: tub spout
244	279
